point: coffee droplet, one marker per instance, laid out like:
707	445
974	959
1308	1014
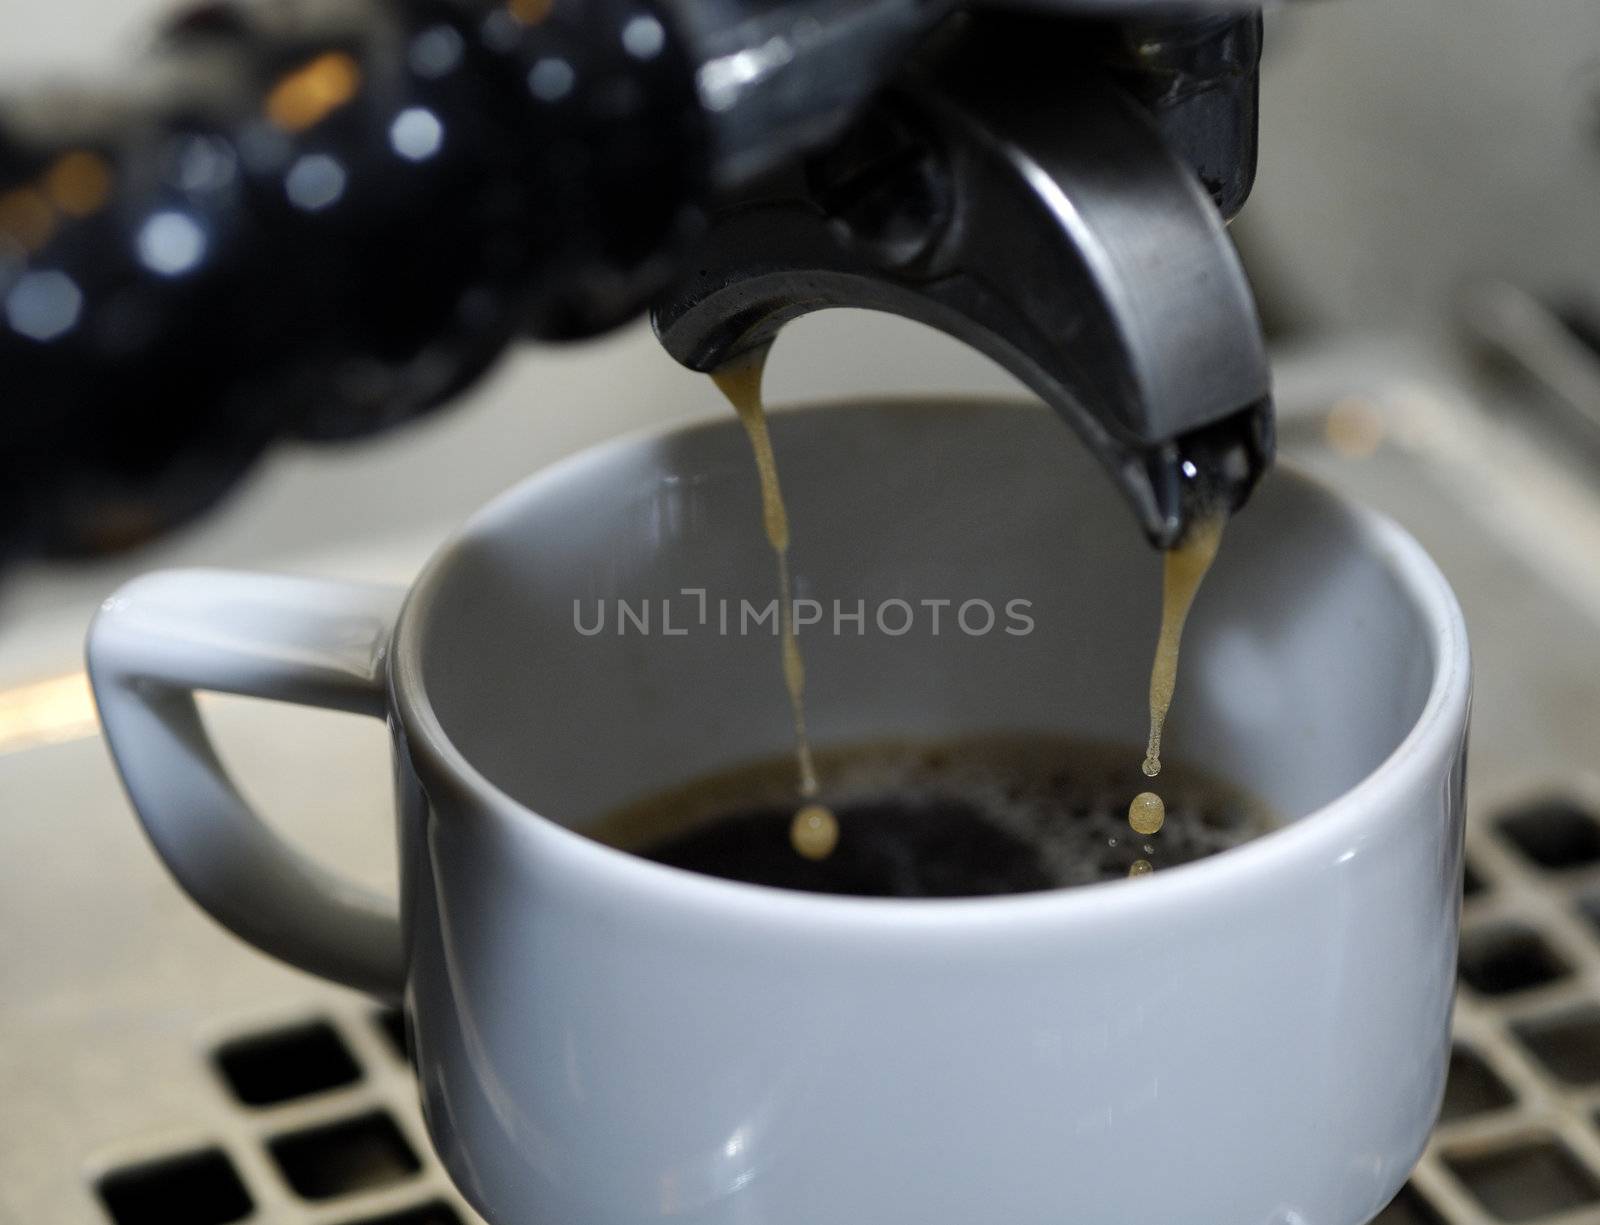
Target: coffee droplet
1140	867
740	382
814	832
1147	813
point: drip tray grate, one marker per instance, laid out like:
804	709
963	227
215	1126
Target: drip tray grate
331	1132
1519	1134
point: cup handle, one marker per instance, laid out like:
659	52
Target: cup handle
310	641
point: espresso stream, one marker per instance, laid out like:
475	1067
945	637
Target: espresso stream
814	827
1183	568
814	830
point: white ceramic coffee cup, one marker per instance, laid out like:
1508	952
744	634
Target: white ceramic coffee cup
1256	1039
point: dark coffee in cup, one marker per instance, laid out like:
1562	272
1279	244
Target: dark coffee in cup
970	817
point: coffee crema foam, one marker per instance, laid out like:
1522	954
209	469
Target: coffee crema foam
966	817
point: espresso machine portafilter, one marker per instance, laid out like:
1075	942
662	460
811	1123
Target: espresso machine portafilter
317	221
1011	189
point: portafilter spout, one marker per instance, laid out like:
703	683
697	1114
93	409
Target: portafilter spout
1023	203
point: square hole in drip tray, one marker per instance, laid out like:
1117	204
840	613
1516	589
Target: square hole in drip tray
1472	1087
1526	1179
282	1064
1507	957
436	1213
1553	833
340	1158
1566	1043
391	1023
1408	1208
198	1188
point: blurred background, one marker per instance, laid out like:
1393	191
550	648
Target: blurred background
1411	155
1424	239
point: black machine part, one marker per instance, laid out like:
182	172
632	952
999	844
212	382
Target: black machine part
1010	191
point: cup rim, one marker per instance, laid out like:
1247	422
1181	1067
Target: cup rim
1333	828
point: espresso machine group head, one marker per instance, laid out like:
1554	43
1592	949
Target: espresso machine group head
1009	189
319	221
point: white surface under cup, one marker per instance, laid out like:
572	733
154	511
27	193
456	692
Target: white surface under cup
1256	1039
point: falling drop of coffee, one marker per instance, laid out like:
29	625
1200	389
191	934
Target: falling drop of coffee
1147	814
814	831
